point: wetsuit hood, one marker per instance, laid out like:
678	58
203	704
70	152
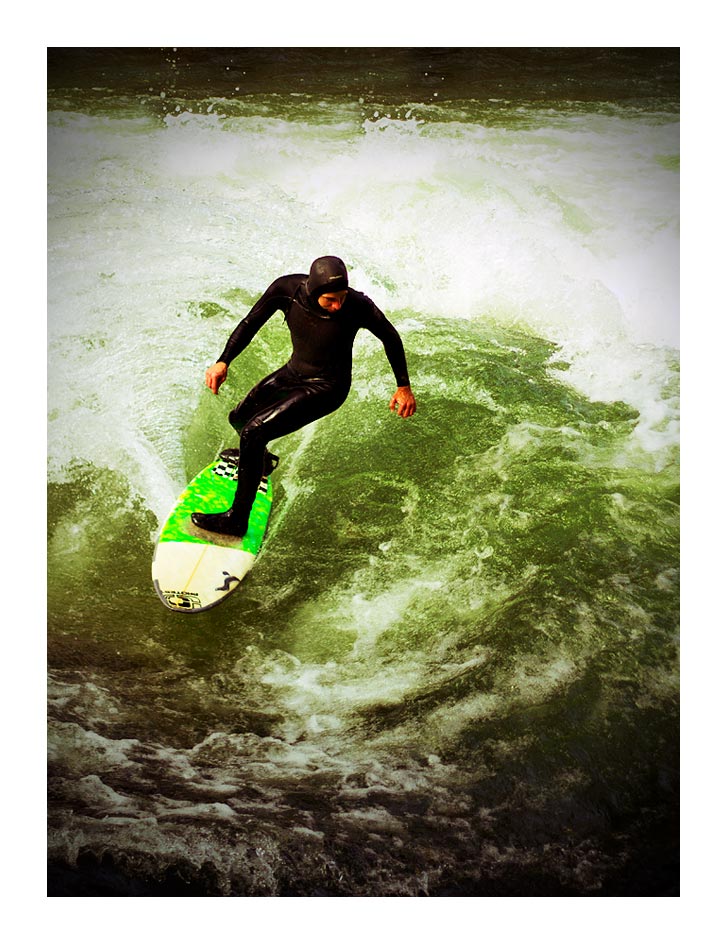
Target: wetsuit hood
327	274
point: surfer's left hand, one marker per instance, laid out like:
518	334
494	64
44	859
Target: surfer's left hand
403	402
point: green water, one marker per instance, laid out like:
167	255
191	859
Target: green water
453	670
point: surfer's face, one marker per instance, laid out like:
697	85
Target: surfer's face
332	301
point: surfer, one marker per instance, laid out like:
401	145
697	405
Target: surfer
323	315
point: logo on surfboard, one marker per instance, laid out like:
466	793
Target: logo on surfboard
229	580
182	600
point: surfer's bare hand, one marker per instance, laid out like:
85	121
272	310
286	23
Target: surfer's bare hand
215	376
403	402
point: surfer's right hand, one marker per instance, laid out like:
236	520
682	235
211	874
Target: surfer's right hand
215	376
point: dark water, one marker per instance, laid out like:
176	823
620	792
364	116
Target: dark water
454	669
394	75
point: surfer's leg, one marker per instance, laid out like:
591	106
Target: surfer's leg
303	404
300	406
270	390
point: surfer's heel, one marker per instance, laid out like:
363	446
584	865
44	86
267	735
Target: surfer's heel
226	522
270	462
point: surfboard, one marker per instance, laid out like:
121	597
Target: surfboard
194	569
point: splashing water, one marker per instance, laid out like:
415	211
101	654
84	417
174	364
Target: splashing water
453	669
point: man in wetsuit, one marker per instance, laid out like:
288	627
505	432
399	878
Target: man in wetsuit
324	316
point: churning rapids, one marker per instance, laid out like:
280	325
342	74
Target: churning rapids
454	668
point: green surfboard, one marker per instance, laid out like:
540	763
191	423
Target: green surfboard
194	569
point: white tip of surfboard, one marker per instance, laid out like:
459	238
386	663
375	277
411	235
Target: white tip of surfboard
191	577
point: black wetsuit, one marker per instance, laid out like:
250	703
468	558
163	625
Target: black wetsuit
315	381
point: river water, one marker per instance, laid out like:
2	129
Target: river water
454	669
